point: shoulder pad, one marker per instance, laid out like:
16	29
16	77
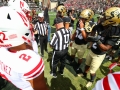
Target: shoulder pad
26	60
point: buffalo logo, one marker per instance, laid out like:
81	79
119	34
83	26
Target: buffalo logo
62	9
89	14
115	13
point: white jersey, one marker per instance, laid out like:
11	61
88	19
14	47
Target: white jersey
18	67
111	81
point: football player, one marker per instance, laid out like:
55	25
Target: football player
104	38
22	67
61	10
79	43
22	5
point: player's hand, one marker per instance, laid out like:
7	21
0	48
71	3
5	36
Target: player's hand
71	44
81	24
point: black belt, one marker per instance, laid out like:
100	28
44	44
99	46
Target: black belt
42	35
61	50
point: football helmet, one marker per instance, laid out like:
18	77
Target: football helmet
14	28
87	14
112	16
20	5
61	9
89	26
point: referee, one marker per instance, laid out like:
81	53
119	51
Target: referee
59	43
41	26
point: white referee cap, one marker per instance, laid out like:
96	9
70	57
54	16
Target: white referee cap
40	15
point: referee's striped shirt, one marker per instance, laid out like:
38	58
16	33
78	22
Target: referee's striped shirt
41	27
60	40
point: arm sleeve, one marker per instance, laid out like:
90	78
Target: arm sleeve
36	26
54	40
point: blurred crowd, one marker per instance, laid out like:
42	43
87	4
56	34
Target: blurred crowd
96	5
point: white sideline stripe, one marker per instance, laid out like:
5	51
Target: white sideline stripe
99	85
112	82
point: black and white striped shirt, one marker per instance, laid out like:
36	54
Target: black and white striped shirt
60	40
41	27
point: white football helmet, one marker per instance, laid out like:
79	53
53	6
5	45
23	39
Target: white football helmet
14	28
19	4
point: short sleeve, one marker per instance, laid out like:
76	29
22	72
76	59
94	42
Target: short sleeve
54	40
35	71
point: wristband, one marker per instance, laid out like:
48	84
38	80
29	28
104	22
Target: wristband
82	29
99	42
71	41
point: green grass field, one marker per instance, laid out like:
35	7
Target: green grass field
69	81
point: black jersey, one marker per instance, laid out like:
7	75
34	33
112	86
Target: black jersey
79	38
105	36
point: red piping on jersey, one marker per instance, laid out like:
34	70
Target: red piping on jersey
106	84
12	51
36	68
38	72
117	79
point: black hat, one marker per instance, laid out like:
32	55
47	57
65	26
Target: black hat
57	20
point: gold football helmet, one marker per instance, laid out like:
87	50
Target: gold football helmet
112	16
61	9
87	14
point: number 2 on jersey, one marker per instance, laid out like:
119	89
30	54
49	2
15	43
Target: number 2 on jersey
25	57
2	37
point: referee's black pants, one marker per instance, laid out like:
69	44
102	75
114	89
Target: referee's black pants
58	56
43	43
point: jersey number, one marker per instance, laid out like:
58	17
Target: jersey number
79	35
95	45
2	37
25	57
66	37
118	42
